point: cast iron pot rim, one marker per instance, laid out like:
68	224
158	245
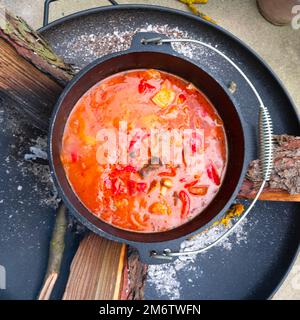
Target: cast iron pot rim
90	222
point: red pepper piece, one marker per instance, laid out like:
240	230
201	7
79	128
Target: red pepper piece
186	203
131	144
131	185
195	136
128	168
187	185
144	86
194	147
141	186
134	140
181	98
74	156
118	186
213	174
114	186
172	173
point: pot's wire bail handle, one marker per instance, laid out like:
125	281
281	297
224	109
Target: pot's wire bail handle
266	149
47	9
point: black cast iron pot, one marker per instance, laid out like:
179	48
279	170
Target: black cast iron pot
164	58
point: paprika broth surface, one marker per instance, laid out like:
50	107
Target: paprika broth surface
146	192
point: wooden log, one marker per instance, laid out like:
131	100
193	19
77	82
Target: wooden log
31	46
101	270
34	91
248	191
96	270
284	184
30	72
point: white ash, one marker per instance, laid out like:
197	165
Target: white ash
164	277
36	153
43	188
90	46
48	195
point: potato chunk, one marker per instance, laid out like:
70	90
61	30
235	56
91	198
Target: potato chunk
164	97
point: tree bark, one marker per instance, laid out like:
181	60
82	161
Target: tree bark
284	184
30	72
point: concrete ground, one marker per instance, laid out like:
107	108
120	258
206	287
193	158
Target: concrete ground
279	46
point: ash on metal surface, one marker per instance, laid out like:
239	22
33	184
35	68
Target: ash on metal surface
90	46
164	278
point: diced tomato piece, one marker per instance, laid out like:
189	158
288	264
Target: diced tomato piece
144	86
74	156
194	147
129	168
213	174
118	186
134	187
131	185
114	186
141	186
195	136
181	98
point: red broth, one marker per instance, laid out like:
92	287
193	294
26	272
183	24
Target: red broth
139	195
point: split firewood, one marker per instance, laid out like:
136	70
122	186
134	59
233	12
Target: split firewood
97	270
30	72
100	270
104	269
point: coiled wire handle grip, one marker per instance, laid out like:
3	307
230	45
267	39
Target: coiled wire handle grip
266	149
